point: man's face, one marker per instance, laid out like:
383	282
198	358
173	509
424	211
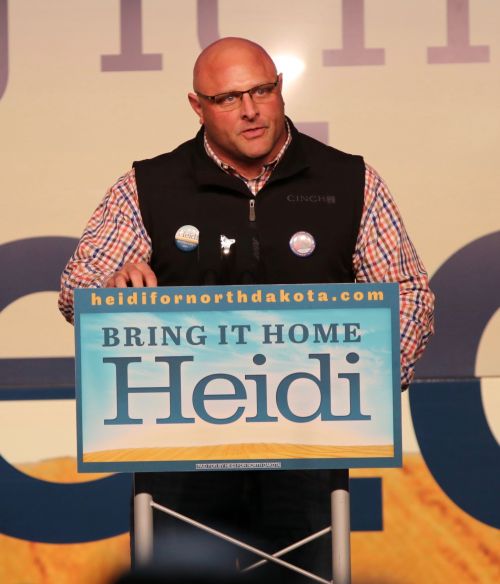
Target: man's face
253	133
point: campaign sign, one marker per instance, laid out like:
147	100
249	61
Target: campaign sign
238	377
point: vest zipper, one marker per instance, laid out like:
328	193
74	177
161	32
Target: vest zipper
252	210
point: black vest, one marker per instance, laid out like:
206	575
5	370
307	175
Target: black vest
314	188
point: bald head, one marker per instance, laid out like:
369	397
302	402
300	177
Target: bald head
228	57
248	130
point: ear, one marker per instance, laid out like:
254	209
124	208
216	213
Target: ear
280	87
194	101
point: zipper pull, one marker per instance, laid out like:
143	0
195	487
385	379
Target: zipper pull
252	210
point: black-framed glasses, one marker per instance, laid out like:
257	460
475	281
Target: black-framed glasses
232	99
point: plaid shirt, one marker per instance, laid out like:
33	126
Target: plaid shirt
116	235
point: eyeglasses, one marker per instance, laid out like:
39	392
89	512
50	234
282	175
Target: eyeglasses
232	99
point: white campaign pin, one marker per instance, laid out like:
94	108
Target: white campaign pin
302	244
187	238
225	244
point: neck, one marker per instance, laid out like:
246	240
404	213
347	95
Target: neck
248	168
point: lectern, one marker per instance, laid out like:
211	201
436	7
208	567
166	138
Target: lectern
220	378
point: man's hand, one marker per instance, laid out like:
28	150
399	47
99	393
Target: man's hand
136	275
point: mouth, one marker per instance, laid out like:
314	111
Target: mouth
252	133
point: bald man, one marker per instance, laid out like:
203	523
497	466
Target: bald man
251	135
286	209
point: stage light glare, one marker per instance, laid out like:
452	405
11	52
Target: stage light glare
290	65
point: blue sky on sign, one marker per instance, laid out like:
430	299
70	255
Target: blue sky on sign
98	379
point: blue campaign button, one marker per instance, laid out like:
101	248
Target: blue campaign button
187	238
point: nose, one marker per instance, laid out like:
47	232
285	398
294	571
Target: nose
248	108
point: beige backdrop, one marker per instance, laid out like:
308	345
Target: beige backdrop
69	129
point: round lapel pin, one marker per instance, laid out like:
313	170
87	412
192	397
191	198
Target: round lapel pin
187	238
302	244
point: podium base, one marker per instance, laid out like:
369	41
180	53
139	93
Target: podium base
340	529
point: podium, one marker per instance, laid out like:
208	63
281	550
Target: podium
240	378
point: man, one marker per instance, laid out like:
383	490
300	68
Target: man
287	209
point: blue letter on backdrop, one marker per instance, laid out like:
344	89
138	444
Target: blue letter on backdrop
30	508
448	416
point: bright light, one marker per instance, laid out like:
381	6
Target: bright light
290	65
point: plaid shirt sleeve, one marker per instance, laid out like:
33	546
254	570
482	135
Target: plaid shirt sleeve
384	253
115	235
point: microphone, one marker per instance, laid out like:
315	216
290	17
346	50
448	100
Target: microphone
226	259
209	260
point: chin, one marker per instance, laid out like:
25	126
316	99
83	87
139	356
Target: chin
257	153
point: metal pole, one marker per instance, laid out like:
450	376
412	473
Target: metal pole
290	548
341	528
143	526
239	543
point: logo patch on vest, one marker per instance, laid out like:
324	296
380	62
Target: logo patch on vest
326	199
